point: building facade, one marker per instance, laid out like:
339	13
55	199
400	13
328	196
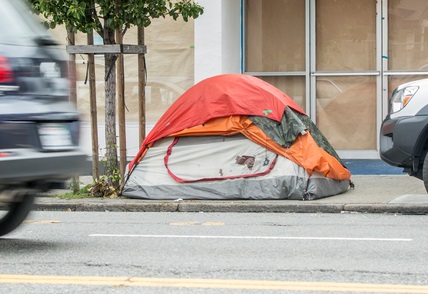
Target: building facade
338	59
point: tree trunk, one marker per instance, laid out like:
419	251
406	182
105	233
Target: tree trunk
111	168
141	88
121	108
72	68
75	186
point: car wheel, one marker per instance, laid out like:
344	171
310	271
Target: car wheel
14	213
425	172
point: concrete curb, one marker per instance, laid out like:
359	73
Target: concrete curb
271	207
388	208
125	205
103	205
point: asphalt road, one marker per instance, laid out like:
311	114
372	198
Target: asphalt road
135	252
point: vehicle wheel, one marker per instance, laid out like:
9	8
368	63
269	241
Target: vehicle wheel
15	213
425	172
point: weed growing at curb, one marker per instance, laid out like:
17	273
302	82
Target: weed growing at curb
80	194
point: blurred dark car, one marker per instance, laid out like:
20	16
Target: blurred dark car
39	126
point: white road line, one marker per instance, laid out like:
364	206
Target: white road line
250	237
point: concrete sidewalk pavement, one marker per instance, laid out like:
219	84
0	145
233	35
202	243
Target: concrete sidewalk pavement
373	193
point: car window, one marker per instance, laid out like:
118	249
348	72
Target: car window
23	28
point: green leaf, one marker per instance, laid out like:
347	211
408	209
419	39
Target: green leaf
79	15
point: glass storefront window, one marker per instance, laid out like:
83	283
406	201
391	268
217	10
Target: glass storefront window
346	35
346	111
294	87
275	35
408	35
348	107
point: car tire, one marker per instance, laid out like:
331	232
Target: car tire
16	213
425	172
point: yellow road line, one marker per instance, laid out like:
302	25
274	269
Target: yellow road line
211	284
45	221
197	224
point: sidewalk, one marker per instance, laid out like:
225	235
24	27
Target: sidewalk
378	189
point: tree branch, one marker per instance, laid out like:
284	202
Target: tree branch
98	26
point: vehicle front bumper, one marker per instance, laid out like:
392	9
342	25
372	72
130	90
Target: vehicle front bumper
400	140
28	165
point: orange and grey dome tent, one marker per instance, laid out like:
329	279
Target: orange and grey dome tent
234	136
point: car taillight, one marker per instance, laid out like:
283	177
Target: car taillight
402	97
5	154
6	74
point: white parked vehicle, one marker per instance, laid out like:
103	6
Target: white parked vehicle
404	132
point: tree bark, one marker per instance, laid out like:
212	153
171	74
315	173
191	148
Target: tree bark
121	109
72	68
110	110
73	96
141	88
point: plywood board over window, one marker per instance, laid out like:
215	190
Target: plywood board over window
275	36
275	43
170	69
346	42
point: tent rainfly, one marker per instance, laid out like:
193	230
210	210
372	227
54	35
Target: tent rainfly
234	136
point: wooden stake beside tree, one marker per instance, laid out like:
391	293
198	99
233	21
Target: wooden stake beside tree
93	110
141	88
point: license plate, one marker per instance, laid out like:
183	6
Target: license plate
55	136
